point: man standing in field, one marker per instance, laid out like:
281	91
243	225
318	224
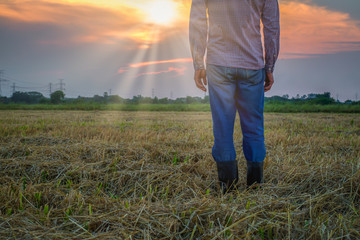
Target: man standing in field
230	32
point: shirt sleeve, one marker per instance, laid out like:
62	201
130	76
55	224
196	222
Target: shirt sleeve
270	20
198	29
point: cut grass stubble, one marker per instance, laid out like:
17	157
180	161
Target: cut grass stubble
122	175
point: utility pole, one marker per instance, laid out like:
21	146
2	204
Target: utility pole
50	86
2	80
62	85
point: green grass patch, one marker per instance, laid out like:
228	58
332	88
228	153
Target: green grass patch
269	107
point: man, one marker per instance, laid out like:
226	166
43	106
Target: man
229	31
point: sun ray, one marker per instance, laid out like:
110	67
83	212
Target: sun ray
126	80
149	82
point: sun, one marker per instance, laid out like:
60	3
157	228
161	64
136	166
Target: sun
161	12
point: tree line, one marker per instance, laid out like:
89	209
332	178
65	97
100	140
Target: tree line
58	97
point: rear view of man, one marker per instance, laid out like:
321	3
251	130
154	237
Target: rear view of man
229	31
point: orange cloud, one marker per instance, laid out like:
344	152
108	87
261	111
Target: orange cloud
144	64
64	13
177	60
179	71
93	22
308	29
122	70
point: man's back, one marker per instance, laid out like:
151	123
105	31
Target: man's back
237	77
234	33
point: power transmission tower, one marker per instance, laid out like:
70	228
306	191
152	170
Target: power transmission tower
62	85
356	96
50	86
2	80
153	93
171	95
13	88
110	92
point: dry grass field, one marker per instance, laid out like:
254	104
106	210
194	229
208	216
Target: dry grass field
150	175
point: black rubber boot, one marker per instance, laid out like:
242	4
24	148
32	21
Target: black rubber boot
228	175
254	173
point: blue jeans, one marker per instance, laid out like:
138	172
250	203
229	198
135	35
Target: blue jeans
242	90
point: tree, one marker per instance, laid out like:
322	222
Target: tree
164	100
57	97
98	99
189	100
322	99
4	100
115	99
20	97
26	97
206	99
136	99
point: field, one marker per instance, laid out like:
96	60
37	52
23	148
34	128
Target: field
150	175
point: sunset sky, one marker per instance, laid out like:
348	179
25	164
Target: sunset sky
134	46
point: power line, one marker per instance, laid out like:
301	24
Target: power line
11	79
17	85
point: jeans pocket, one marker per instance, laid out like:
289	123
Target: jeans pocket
216	73
255	77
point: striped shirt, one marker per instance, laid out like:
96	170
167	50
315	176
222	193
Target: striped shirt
229	31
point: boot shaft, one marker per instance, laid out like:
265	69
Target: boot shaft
255	173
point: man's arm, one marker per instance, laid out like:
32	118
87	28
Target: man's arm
270	20
198	40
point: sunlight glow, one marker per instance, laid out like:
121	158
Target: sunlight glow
161	12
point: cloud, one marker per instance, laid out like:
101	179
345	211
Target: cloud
308	30
179	71
144	64
85	21
177	60
122	70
